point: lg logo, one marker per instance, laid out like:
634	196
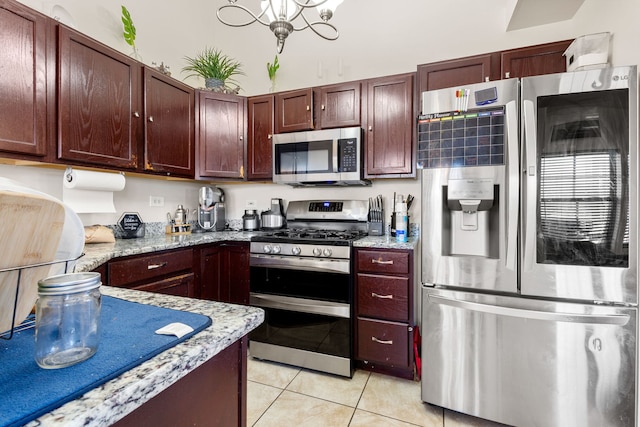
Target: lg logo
616	78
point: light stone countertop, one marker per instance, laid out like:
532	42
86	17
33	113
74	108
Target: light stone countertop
98	253
113	400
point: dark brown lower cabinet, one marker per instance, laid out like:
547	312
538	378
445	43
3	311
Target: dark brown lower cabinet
168	272
224	272
384	311
214	394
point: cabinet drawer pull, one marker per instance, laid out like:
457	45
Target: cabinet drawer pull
374	295
154	266
387	342
379	261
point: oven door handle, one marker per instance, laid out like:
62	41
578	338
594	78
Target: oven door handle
301	305
320	265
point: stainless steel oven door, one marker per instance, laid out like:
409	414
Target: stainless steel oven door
308	313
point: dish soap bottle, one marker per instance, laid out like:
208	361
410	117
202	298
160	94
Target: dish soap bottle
402	225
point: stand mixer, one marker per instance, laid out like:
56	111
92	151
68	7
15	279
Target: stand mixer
211	210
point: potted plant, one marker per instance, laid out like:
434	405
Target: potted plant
129	31
272	69
215	68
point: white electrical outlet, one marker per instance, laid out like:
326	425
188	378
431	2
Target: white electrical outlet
252	204
156	201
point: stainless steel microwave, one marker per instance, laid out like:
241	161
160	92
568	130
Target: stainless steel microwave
319	157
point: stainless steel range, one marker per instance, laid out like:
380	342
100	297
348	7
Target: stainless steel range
302	277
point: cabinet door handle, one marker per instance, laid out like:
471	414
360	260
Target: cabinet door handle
151	119
507	74
241	171
370	128
241	137
387	342
379	261
308	108
154	266
136	114
374	295
322	107
269	136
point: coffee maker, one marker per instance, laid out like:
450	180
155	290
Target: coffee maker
211	210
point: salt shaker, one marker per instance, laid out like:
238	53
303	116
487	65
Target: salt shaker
67	319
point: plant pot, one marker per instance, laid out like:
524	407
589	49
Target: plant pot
214	84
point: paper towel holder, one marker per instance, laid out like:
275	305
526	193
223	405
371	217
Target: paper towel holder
68	173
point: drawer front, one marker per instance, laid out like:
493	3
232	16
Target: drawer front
127	271
383	297
383	342
181	286
383	262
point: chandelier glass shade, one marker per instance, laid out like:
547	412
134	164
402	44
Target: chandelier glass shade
286	16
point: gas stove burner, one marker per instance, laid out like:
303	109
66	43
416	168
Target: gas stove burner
317	235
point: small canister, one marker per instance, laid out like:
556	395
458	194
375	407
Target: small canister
67	319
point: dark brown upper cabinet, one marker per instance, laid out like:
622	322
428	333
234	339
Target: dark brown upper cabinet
169	141
338	105
390	126
294	110
521	62
457	72
260	133
534	60
23	64
220	136
99	103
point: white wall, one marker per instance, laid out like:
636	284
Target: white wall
375	40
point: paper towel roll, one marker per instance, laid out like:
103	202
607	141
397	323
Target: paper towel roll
89	191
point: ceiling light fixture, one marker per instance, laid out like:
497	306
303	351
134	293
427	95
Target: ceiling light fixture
279	16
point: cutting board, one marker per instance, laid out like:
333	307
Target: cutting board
30	231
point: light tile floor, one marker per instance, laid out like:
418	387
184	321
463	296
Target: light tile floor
282	395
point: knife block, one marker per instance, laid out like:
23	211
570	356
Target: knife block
376	228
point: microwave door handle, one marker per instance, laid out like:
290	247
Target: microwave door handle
336	167
529	180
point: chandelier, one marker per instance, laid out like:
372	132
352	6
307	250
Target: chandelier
281	15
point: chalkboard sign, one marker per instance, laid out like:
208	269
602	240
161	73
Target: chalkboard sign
131	225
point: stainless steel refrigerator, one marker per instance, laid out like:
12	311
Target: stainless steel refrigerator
530	249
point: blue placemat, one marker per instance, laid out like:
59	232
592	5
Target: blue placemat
128	339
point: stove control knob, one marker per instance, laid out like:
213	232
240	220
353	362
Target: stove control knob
326	252
295	250
276	249
317	251
267	249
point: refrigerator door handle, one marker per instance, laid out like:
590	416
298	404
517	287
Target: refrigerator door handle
513	174
529	144
601	319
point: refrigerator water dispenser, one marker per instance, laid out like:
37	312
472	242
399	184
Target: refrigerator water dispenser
470	203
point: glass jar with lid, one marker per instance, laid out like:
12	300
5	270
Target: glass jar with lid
67	319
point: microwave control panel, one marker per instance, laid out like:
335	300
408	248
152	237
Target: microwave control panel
348	155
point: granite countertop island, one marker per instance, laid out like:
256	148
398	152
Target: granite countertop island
115	399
